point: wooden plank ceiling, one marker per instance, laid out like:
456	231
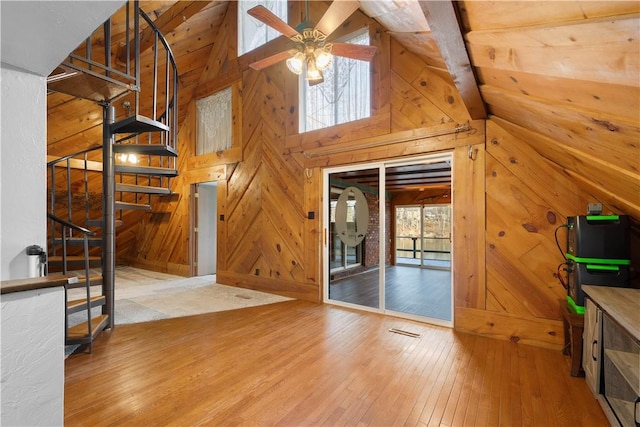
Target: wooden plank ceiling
554	74
401	178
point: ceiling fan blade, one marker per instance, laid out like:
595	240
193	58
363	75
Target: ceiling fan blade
270	60
338	12
353	51
264	15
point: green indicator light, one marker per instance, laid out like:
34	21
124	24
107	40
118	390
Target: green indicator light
603	267
605	261
603	217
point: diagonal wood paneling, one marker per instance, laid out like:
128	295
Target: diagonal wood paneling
560	80
420	97
527	199
576	128
564	78
265	192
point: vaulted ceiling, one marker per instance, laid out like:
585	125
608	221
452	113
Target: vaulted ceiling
560	76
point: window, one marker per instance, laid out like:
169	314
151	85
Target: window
344	96
214	127
423	234
253	33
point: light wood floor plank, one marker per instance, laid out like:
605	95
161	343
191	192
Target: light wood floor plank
495	377
515	400
467	367
296	364
427	397
483	390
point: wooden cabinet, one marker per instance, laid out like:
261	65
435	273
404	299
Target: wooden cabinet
591	342
621	363
616	363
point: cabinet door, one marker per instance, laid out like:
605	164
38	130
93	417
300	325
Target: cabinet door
591	345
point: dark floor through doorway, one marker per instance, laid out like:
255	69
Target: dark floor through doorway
412	290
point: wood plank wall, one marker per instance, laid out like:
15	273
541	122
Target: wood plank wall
547	150
564	77
561	82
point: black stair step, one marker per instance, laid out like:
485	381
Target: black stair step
73	259
79	241
132	206
84	84
80	334
144	189
148	149
146	170
98	223
138	124
80	282
81	304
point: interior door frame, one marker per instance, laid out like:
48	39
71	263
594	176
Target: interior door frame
196	235
381	166
193	235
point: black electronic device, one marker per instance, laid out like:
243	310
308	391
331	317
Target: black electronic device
599	237
579	274
598	253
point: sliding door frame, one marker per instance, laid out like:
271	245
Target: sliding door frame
381	166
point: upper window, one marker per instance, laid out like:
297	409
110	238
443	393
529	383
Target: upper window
253	33
343	96
214	124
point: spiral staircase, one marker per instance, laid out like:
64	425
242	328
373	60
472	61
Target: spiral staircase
89	190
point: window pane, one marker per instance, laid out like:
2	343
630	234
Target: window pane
253	33
345	94
214	123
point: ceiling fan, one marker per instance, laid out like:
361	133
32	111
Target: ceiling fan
312	51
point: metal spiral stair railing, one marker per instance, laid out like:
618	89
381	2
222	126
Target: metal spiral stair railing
149	133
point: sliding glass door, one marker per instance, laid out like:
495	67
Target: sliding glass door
353	238
388	228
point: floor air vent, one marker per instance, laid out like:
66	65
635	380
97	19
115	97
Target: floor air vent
407	333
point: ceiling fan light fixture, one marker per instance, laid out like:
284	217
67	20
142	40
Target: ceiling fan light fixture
312	71
295	63
323	58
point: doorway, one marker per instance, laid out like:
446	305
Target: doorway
204	228
400	265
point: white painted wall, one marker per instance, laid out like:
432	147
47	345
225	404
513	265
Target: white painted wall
23	158
32	369
207	228
38	35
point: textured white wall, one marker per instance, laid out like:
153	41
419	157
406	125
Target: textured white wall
36	36
32	369
23	179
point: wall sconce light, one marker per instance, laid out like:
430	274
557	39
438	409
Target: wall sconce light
128	158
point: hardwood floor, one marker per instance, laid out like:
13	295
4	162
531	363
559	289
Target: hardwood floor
421	291
297	363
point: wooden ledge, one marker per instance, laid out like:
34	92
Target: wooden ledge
19	285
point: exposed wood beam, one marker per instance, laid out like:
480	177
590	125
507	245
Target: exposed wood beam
446	30
167	22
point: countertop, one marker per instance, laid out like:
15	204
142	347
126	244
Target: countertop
19	285
622	304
